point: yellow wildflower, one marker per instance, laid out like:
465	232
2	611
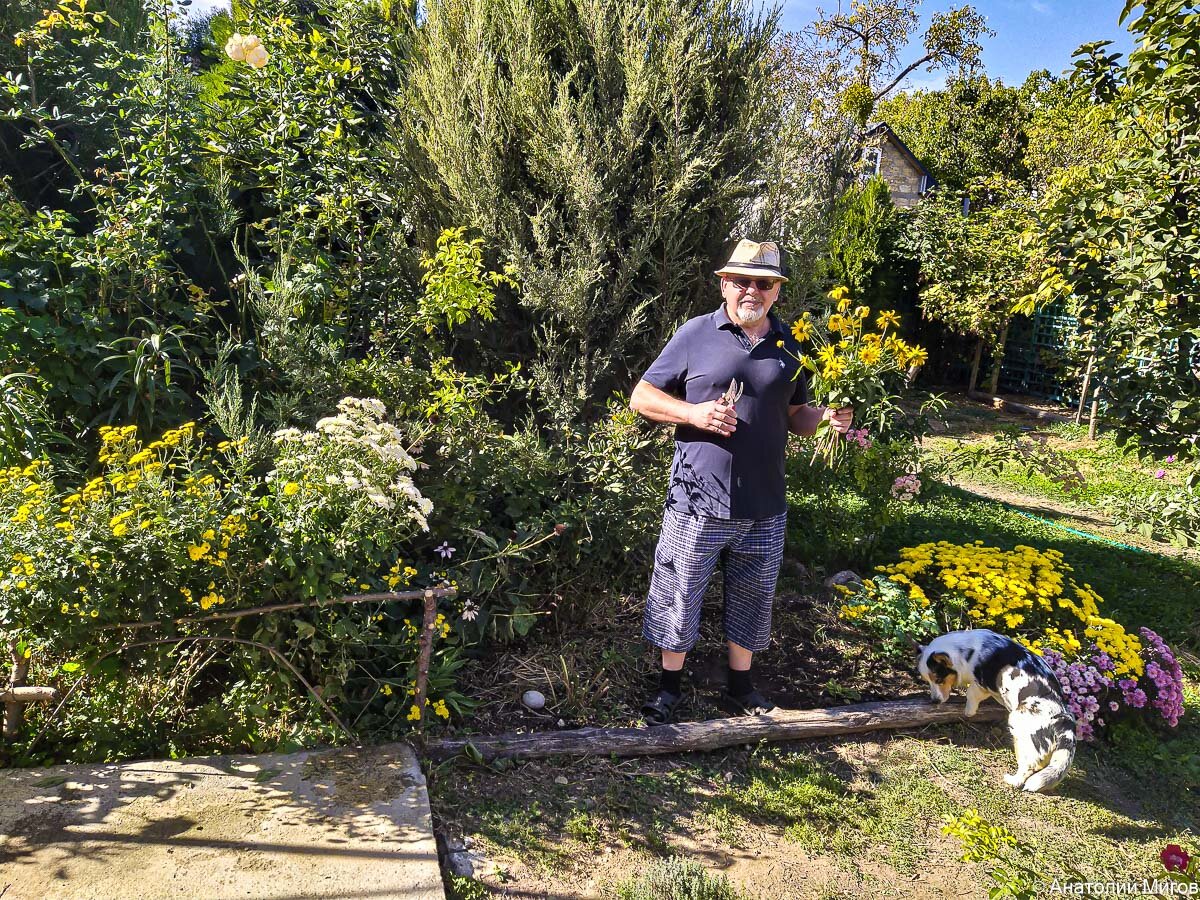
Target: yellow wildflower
888	318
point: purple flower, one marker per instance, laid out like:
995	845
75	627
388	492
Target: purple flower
1170	459
1161	473
1166	675
445	551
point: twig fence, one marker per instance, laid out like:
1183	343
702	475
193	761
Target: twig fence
18	694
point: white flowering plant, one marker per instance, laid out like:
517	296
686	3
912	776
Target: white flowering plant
343	497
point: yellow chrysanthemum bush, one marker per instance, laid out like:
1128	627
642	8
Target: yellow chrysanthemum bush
178	527
1033	596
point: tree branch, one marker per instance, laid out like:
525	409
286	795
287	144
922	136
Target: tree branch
904	74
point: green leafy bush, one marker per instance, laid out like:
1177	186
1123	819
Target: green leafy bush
676	879
839	514
1172	513
1014	866
175	528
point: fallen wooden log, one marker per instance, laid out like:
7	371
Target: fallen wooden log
780	725
1006	405
29	695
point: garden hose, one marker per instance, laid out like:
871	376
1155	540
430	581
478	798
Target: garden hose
1086	534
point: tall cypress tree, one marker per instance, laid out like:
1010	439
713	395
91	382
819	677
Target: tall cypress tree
862	245
602	148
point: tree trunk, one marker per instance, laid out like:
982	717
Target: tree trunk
997	358
780	725
974	379
1093	420
424	655
1083	391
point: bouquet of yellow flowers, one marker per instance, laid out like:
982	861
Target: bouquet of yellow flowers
853	365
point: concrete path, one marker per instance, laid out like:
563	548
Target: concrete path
348	823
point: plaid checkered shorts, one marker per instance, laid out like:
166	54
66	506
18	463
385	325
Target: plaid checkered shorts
689	548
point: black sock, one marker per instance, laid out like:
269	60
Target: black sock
740	682
672	681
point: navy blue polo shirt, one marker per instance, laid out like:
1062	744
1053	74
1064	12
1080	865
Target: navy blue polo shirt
738	476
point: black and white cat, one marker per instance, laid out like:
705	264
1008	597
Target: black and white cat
988	664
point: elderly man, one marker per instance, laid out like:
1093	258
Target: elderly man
733	394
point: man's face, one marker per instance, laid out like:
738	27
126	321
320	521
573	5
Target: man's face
747	299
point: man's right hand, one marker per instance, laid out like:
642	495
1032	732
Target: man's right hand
714	417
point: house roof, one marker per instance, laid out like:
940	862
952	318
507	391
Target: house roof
883	129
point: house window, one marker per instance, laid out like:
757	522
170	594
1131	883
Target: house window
872	156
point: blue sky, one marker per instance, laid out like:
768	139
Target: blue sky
1030	34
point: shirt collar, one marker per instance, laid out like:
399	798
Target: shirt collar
720	319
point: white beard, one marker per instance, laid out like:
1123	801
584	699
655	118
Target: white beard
751	315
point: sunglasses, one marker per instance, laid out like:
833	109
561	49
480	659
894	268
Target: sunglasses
763	284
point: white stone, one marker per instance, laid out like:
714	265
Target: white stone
534	700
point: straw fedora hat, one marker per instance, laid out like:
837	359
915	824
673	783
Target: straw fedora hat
754	259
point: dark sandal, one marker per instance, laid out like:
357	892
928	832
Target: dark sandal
659	708
751	704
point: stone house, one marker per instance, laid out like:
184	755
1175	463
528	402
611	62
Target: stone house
886	155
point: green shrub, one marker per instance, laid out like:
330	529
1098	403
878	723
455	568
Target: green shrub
1171	513
603	149
839	514
1014	866
174	528
675	879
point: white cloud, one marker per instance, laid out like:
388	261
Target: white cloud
924	81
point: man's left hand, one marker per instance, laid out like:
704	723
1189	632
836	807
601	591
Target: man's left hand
840	419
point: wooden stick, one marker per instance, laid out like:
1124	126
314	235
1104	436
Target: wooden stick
1083	391
384	597
426	653
14	711
29	695
1011	406
780	725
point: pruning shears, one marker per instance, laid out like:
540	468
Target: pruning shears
733	393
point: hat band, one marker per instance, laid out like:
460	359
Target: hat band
758	267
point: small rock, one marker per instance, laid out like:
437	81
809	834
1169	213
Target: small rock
845	577
534	700
561	779
461	864
562	724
